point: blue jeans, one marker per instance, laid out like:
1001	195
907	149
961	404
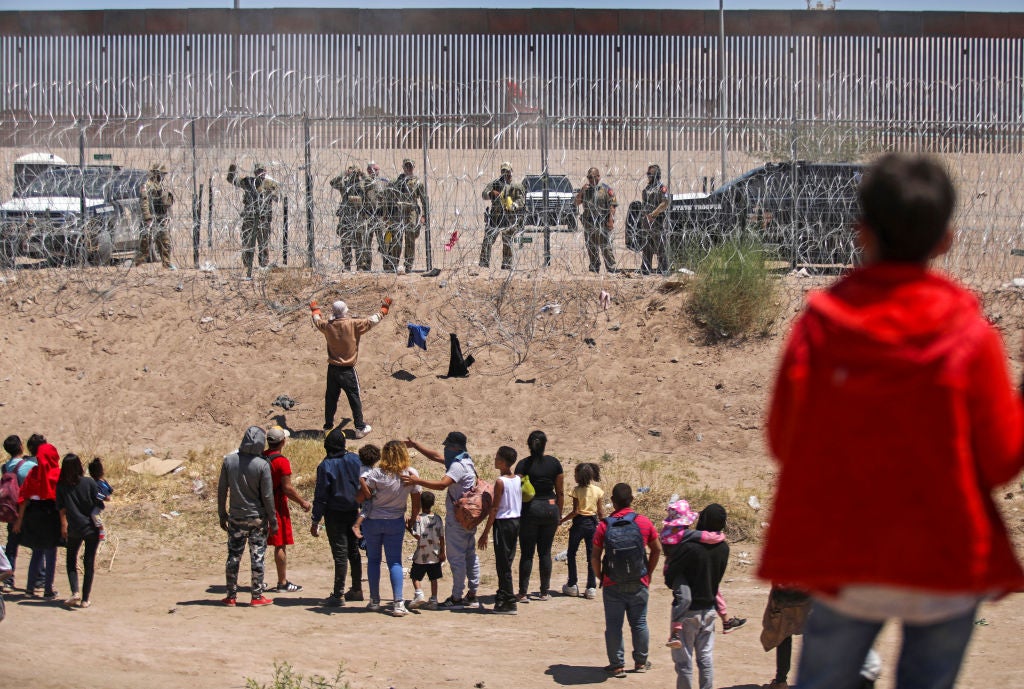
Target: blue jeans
386	534
460	548
581	531
633	607
42	567
835	646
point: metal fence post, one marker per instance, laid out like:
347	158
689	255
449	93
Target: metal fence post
546	179
310	239
197	201
284	231
426	196
209	219
81	170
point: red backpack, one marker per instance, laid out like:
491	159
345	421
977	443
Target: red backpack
9	492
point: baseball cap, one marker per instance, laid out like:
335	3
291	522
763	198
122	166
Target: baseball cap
276	434
455	438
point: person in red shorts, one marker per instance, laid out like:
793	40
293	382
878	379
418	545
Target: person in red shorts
281	476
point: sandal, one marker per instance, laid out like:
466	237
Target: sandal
615	671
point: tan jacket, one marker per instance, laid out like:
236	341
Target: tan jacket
343	337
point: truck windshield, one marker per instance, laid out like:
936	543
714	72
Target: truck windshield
68	181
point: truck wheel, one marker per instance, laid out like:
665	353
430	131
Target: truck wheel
103	250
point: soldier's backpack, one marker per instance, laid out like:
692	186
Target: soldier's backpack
625	560
9	492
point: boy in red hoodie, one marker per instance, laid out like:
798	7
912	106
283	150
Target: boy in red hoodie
893	404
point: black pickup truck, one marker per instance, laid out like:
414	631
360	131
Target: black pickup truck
803	212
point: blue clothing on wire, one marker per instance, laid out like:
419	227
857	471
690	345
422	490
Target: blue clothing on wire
418	335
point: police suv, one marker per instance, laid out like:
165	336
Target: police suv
803	212
46	219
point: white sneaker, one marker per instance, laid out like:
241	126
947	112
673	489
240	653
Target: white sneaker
373	606
398	610
570	591
418	601
590	594
362	432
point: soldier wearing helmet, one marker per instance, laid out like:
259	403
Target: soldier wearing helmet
155	201
654	202
598	204
411	206
377	209
507	199
350	185
258	196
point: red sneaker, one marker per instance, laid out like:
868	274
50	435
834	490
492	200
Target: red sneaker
229	601
261	601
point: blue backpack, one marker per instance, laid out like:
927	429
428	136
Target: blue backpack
625	560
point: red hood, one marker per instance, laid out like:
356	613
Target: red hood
48	456
918	312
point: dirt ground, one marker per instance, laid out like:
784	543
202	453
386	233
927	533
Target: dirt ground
115	362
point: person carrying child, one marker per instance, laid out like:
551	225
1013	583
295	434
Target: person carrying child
503	521
674	532
586	512
426	561
893	403
103	492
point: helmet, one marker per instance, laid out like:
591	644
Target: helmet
506	167
408	161
258	168
157	169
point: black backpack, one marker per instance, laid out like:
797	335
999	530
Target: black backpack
625	560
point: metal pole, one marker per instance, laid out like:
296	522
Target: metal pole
209	219
197	201
426	197
284	231
547	183
721	82
81	170
310	240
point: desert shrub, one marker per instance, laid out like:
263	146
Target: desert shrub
734	291
286	678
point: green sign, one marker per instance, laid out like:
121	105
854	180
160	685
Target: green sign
102	156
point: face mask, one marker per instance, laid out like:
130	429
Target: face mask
449	457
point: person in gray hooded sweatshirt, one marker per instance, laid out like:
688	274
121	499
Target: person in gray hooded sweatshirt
249	516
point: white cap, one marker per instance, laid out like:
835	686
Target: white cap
339	309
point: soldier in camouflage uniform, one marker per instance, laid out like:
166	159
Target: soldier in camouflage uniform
598	204
258	196
411	201
507	199
351	187
155	201
377	209
654	203
245	506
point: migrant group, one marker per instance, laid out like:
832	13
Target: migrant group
893	407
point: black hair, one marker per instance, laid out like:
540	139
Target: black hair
334	443
369	455
906	201
712	518
12	445
537	441
96	468
70	470
507	454
33	443
586	473
622	495
427	500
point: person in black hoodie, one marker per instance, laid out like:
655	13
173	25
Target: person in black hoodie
700	567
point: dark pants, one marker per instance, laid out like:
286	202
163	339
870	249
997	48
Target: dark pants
41	569
342	378
582	530
92	542
11	549
344	549
505	535
537	533
783	659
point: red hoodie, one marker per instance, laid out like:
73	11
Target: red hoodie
41	482
893	419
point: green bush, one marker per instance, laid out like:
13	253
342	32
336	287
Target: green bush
286	678
734	291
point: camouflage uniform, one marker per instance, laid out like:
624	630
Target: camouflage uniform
597	204
351	187
377	209
255	534
653	200
507	199
258	196
411	200
155	201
